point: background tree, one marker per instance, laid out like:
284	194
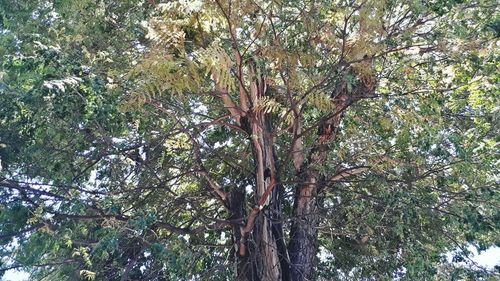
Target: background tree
248	140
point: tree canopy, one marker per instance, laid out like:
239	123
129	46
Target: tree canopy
248	139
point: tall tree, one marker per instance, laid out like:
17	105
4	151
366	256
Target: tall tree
248	140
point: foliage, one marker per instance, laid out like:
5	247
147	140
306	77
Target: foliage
126	135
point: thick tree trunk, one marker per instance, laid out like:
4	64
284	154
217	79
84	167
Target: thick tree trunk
257	254
276	215
302	247
243	266
304	234
262	253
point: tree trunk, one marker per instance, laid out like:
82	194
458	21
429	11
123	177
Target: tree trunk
302	247
262	253
304	234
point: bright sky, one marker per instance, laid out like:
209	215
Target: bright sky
14	275
489	258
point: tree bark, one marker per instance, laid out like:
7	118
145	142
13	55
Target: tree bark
303	234
262	253
302	247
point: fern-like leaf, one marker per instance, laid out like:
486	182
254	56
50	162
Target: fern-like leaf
321	101
218	63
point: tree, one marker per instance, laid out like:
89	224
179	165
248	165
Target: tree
248	140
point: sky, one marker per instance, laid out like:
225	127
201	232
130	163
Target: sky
488	259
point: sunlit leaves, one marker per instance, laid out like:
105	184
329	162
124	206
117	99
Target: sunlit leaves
104	105
87	275
321	101
163	74
218	63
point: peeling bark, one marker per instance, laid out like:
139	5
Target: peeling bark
262	253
